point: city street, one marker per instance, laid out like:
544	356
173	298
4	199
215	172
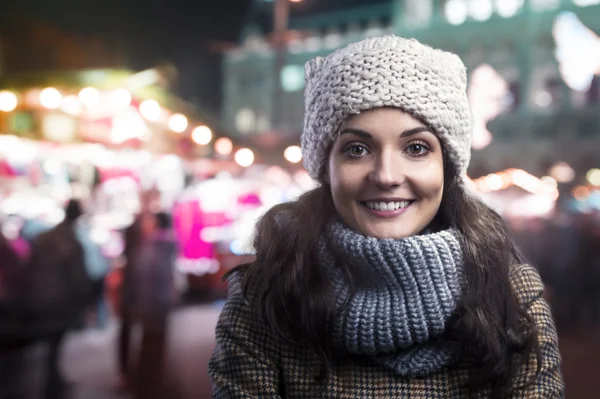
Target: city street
90	357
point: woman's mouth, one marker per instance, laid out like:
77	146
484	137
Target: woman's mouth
387	208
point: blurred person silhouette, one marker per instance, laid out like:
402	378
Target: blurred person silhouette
12	337
12	274
32	228
152	299
581	282
97	266
558	250
13	235
12	256
57	290
133	237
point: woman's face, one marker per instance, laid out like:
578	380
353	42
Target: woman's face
386	174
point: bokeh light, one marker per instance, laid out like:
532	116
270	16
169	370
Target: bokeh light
8	101
202	135
121	98
89	96
223	146
244	157
178	123
50	98
150	110
293	154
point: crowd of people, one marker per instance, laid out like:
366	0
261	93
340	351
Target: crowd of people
52	279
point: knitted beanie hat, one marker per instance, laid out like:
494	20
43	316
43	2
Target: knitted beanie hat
388	71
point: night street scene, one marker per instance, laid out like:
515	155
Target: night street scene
299	199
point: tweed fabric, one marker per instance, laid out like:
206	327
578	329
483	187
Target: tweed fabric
387	71
408	290
249	362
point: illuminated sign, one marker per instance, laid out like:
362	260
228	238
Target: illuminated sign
577	51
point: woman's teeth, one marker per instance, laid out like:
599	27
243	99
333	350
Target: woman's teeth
387	206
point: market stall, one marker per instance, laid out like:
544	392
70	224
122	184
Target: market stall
215	220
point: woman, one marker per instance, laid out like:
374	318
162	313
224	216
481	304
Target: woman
389	279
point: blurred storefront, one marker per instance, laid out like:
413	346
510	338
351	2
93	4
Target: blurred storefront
215	219
105	136
95	134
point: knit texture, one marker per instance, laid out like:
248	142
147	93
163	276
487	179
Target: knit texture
250	361
408	290
388	71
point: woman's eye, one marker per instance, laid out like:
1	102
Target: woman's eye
355	150
417	149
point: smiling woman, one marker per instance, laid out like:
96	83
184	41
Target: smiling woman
389	279
386	165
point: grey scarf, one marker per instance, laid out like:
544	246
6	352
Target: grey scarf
406	293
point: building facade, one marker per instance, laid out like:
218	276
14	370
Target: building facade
533	81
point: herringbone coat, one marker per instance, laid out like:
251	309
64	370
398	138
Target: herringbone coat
249	362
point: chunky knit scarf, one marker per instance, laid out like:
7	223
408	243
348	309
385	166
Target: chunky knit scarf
406	291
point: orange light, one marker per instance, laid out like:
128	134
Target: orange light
223	146
293	154
580	193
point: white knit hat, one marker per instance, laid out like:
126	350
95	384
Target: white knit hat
388	71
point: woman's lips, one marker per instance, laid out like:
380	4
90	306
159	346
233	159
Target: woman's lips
386	213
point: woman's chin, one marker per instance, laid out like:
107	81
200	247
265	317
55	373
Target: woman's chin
383	232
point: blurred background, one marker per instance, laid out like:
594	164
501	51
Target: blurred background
182	120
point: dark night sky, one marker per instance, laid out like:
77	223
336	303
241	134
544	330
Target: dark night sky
155	31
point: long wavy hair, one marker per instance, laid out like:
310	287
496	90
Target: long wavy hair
294	298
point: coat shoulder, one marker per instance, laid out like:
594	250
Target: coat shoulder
240	313
526	282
